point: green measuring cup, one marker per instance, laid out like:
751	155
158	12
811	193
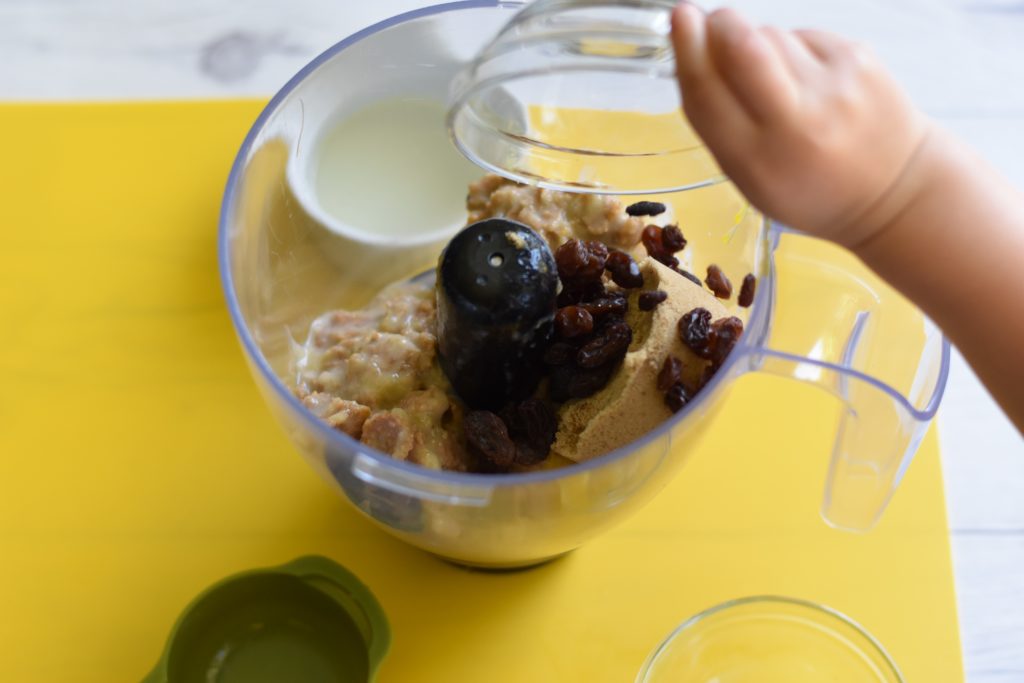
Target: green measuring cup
310	620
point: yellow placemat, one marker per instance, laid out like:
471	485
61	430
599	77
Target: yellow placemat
138	464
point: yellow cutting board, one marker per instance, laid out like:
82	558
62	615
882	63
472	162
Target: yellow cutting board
138	463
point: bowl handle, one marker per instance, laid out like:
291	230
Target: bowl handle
829	321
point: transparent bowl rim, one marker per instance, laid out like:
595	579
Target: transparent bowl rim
341	441
769	601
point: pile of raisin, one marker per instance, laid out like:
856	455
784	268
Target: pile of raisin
591	337
662	245
712	341
624	271
724	335
521	435
580	267
591	332
531	425
670	384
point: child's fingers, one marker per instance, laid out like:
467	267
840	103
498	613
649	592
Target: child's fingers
751	65
689	40
826	46
801	61
702	88
708	102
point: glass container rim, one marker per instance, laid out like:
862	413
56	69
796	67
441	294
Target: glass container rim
769	600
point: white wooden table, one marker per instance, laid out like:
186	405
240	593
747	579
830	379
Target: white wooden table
962	60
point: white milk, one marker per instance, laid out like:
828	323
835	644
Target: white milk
390	169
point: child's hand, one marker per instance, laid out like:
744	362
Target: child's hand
809	126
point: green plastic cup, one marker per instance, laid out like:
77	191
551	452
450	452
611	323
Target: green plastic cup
310	620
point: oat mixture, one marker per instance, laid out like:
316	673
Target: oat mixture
373	374
556	216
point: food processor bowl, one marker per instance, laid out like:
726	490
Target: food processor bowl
280	270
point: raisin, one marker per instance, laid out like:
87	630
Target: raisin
648	301
570	257
568	381
651	238
575	293
607	347
615	304
747	290
645	209
513	422
655	246
532	426
677	396
488	439
598	255
559	353
559	377
672	238
709	372
588	381
580	262
624	271
671	373
667	259
718	282
723	335
572	321
527	454
695	329
690	276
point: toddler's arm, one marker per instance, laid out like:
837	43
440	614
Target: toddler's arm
816	134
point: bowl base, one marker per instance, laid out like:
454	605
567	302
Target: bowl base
500	568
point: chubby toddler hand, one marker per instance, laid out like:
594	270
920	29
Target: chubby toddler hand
808	125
